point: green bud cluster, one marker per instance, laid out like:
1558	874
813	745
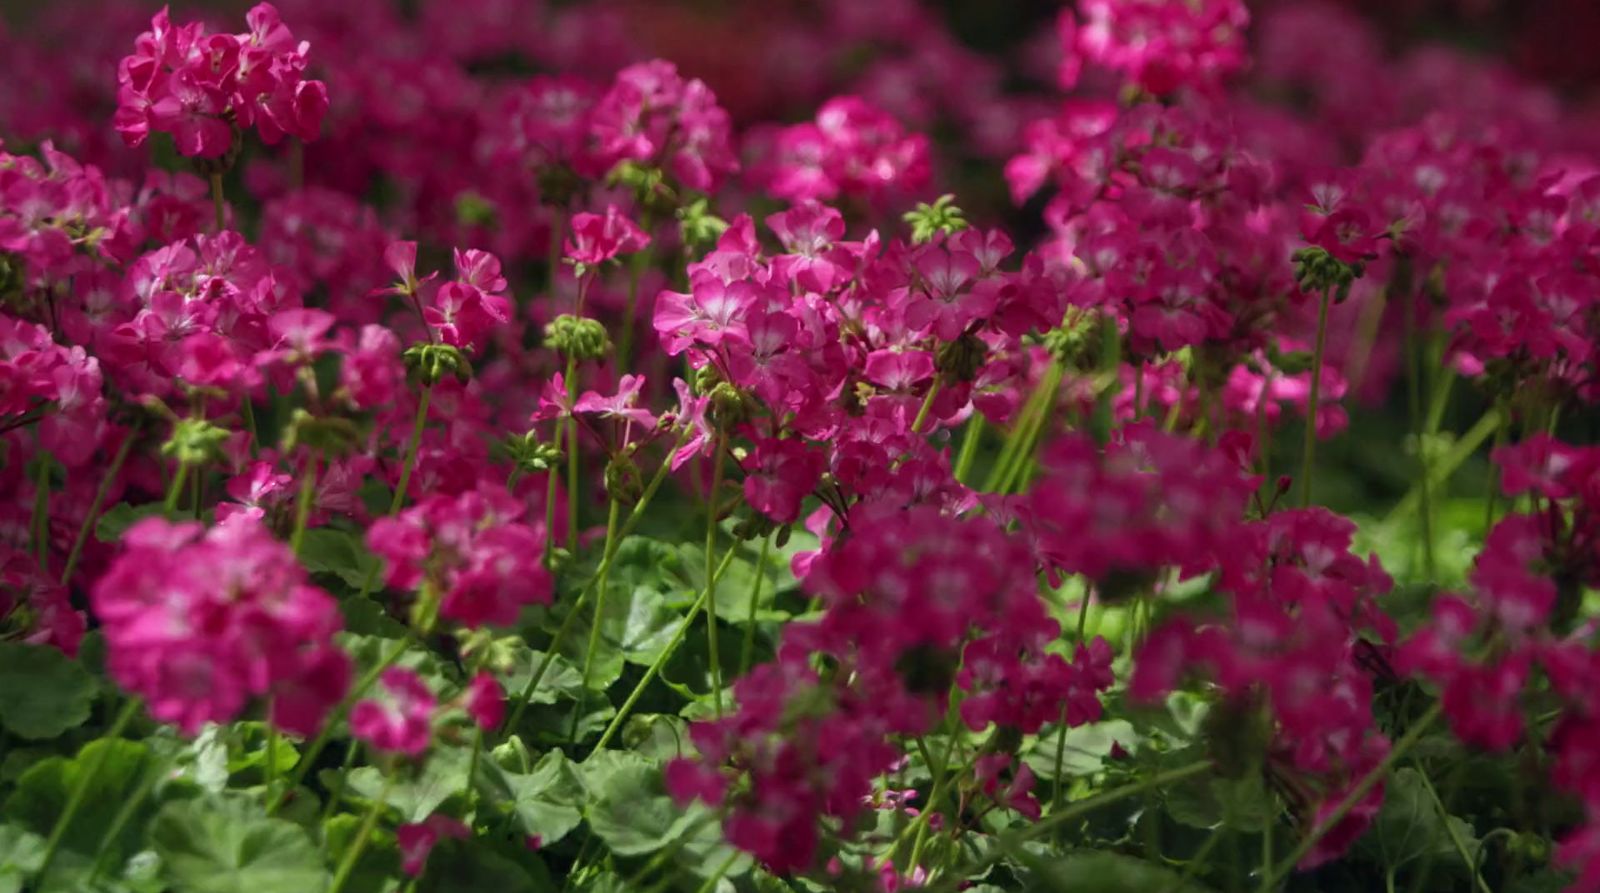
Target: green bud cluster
195	441
429	363
529	454
698	227
622	479
1317	270
577	337
941	217
960	360
328	435
651	191
1076	343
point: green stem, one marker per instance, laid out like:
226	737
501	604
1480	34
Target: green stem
665	655
747	653
1501	434
106	482
558	232
1195	863
1061	754
40	526
272	753
606	553
302	507
711	578
1017	452
566	625
1022	459
942	778
175	491
1414	407
1089	804
1464	448
472	762
552	481
1266	855
250	426
318	743
1315	401
636	268
927	404
1356	795
711	882
81	792
364	834
415	443
337	794
217	202
1470	859
572	456
969	447
120	821
398	500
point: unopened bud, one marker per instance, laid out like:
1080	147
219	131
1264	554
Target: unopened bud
577	337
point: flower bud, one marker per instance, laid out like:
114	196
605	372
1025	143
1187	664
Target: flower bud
940	218
577	337
195	441
429	363
960	360
622	480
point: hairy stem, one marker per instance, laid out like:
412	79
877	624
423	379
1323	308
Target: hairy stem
1314	403
81	792
107	481
665	655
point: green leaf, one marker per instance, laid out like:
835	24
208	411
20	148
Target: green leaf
546	803
329	550
443	776
1410	827
42	691
247	749
737	582
657	736
21	854
639	618
1242	804
468	866
217	845
366	617
1086	750
561	680
629	808
117	519
368	651
1103	871
377	864
42	793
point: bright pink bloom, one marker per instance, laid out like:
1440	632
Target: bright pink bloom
200	622
597	238
399	717
416	840
485	701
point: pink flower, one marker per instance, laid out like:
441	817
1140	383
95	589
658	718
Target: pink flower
399	719
487	564
485	701
784	473
653	116
622	406
200	622
196	86
416	840
597	238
